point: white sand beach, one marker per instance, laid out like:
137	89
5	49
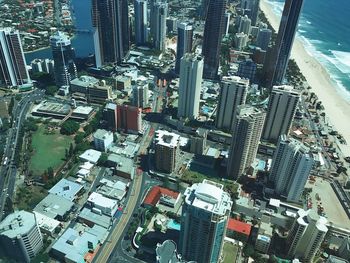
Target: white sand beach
336	107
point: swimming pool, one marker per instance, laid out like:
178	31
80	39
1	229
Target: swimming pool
261	165
173	225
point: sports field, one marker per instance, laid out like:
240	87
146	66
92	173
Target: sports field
49	150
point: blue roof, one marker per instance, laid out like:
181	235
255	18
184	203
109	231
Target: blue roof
66	189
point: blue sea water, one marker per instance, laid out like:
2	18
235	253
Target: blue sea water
324	29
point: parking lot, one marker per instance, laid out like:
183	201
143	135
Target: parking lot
333	210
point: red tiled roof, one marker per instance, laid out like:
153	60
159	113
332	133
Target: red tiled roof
156	192
238	226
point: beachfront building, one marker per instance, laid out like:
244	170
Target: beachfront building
205	214
191	71
13	69
245	140
245	25
110	20
279	55
213	32
232	94
184	42
290	168
63	55
282	106
306	235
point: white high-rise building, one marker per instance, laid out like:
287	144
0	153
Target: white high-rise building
166	150
245	25
13	69
281	110
245	140
240	40
306	235
233	93
141	31
191	72
205	214
140	96
290	168
20	237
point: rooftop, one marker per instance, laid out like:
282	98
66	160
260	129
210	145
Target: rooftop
46	223
102	134
238	226
54	205
66	189
153	196
90	156
124	164
84	81
102	201
208	196
98	219
166	252
127	148
168	139
17	224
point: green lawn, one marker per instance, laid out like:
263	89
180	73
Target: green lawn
230	253
49	150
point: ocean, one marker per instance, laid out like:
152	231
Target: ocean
324	29
82	42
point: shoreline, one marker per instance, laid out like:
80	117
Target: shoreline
335	105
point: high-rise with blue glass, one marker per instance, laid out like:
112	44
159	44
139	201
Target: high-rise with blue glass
279	55
204	219
213	32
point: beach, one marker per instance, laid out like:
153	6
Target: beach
337	108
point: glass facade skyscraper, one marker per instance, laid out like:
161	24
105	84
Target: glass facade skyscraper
110	20
63	55
213	31
279	55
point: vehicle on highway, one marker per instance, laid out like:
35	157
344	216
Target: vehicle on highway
5	161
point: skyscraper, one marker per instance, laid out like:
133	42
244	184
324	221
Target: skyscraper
160	15
213	31
111	30
263	39
253	7
140	96
245	140
245	25
129	119
279	55
290	168
233	93
283	103
204	219
167	148
20	237
141	36
110	116
306	235
13	70
191	71
63	55
184	42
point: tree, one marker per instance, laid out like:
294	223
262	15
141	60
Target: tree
103	159
51	90
50	172
18	97
10	107
69	127
71	150
79	137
